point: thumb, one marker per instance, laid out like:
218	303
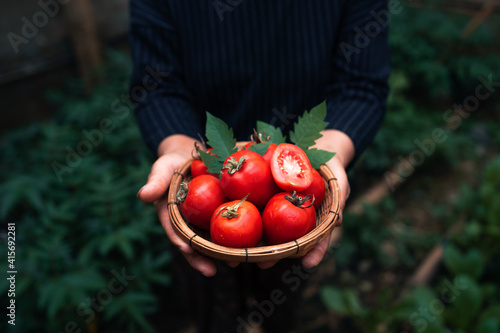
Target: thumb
158	180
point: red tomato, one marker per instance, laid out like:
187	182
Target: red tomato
199	199
198	168
287	217
268	155
317	189
291	168
236	224
269	152
246	172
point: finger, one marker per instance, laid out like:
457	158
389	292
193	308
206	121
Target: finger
345	189
339	221
342	181
314	257
267	264
158	181
232	264
335	237
162	208
195	260
202	264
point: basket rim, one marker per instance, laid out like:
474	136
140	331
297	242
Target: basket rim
293	248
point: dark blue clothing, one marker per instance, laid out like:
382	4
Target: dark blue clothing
248	60
251	60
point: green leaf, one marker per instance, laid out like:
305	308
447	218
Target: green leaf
140	319
7	203
275	135
46	293
88	279
137	306
466	306
56	302
452	258
307	129
260	148
345	302
220	137
212	163
318	157
419	300
352	301
492	312
126	248
457	262
334	300
489	325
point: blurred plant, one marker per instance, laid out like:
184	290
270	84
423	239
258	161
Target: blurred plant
74	235
440	60
466	298
435	65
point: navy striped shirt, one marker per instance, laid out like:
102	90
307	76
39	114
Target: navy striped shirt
248	60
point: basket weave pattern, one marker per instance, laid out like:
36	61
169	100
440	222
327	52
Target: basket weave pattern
326	217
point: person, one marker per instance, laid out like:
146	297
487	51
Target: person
256	60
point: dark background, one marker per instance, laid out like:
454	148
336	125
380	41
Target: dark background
419	250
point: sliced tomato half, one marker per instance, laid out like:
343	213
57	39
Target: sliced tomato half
291	168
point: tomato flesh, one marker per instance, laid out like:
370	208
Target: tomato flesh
291	168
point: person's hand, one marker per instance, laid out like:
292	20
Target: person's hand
176	149
342	145
172	152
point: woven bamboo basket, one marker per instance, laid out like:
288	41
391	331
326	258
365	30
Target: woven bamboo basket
326	217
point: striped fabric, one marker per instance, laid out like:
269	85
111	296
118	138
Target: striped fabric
248	60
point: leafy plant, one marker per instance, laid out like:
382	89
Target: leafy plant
69	186
465	298
306	131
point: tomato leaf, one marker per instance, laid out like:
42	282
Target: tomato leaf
220	137
213	164
260	148
307	129
318	157
275	135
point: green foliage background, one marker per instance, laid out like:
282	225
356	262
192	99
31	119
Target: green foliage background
74	230
73	233
434	67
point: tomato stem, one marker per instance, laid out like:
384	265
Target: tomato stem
259	137
231	211
183	191
197	148
232	165
299	201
